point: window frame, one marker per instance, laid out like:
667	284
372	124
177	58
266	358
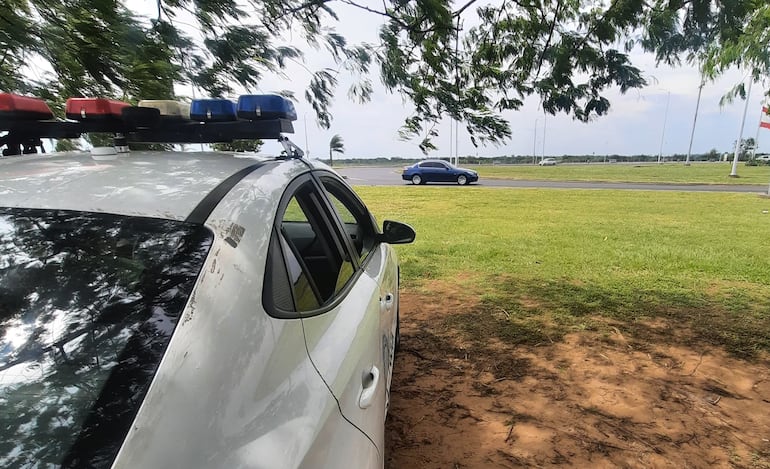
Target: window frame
359	211
326	224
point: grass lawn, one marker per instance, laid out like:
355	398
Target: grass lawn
697	173
557	261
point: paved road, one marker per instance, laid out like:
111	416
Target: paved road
378	176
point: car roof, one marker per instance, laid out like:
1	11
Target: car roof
153	184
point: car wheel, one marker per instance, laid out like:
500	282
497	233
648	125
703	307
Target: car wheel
416	179
462	180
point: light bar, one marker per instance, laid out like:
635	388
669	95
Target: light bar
265	106
25	121
212	110
140	117
94	108
13	106
168	109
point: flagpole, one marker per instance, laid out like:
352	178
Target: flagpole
734	170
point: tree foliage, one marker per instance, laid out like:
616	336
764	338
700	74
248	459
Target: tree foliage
239	146
336	145
746	149
746	47
568	53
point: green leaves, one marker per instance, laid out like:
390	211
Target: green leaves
239	146
567	53
336	145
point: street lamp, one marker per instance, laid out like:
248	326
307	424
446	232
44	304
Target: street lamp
544	115
534	145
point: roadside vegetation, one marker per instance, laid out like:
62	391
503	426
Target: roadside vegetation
542	263
674	173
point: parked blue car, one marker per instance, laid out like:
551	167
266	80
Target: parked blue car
438	171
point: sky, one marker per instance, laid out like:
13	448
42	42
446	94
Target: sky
657	118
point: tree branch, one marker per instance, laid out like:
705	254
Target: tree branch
593	27
381	13
311	3
463	8
550	36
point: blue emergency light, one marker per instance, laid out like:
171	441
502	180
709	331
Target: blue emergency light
265	106
212	110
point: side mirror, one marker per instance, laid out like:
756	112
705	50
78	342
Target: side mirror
394	232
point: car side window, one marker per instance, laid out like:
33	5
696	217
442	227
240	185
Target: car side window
309	262
297	233
356	220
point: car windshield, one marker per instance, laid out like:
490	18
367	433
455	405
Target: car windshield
88	303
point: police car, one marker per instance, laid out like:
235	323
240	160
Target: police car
188	309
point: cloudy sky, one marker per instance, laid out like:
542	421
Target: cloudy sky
634	124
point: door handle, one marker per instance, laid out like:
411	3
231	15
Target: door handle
369	380
386	303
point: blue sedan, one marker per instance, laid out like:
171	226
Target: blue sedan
438	171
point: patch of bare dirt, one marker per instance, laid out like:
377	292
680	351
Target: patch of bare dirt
586	401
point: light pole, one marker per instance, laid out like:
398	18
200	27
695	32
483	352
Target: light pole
544	120
694	120
663	132
534	145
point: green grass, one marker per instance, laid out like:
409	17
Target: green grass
556	261
697	173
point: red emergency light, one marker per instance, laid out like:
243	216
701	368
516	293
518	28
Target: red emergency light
94	109
13	106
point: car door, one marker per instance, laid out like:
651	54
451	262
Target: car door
447	173
378	261
431	172
338	303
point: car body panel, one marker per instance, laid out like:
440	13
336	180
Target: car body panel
384	267
135	185
352	330
227	405
438	171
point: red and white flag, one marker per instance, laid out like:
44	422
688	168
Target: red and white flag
765	120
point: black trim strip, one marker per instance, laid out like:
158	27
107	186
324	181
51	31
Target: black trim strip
204	208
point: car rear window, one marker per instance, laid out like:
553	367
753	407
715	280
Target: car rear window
88	303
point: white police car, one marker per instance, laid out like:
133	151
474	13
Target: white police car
188	310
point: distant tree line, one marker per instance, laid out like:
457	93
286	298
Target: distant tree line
712	155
